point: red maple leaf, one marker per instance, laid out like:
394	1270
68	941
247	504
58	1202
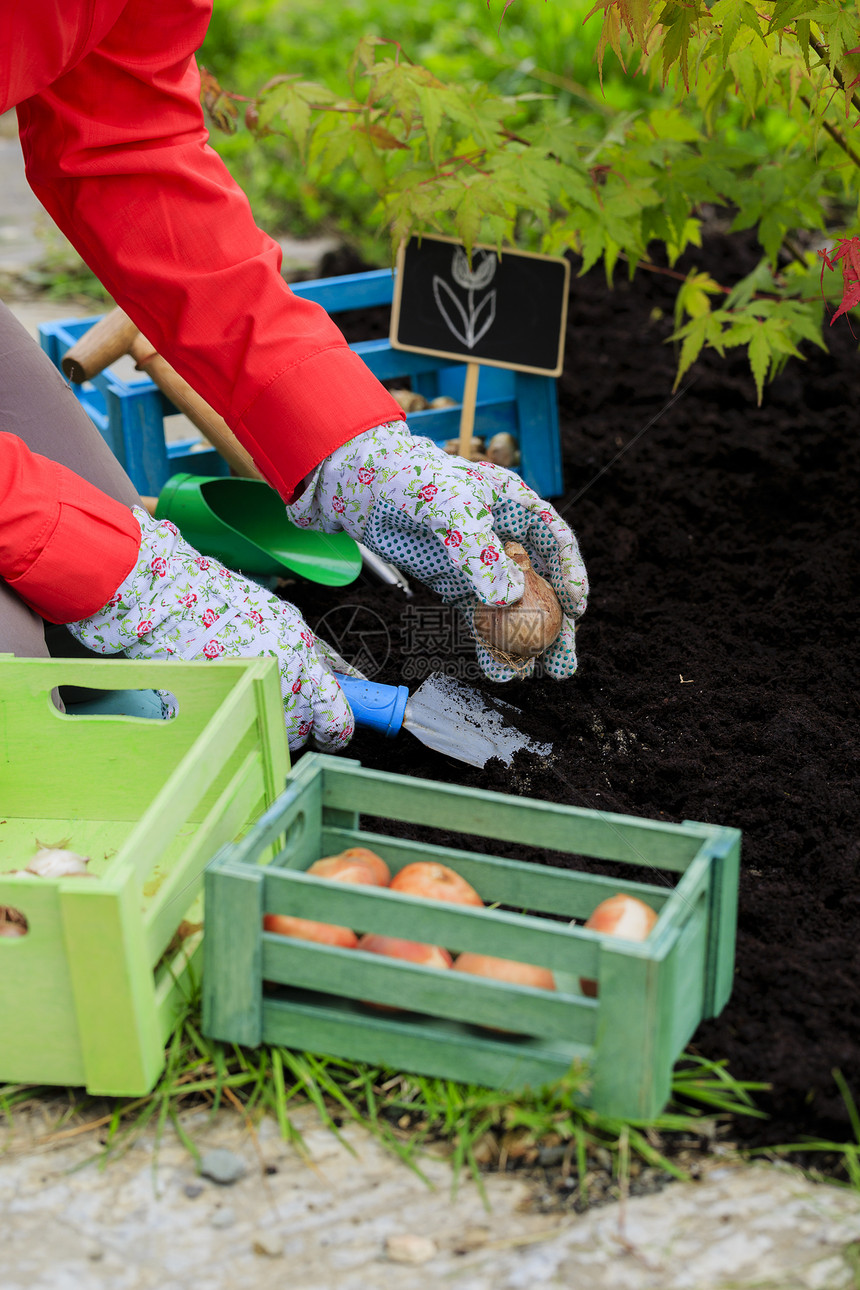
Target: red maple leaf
849	254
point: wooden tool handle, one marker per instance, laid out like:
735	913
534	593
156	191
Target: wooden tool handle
198	411
105	342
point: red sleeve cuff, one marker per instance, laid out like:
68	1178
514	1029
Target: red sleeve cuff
310	409
65	546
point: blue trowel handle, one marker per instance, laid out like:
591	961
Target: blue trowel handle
375	706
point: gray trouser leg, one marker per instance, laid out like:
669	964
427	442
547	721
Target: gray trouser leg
37	405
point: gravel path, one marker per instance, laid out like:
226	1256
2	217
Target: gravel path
349	1216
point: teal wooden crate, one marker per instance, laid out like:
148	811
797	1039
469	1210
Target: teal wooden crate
90	993
652	995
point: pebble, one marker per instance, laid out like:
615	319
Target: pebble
222	1218
268	1244
193	1190
222	1166
473	1238
406	1247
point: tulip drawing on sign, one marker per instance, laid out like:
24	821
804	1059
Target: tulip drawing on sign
472	322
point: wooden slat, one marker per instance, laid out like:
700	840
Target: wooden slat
623	1067
242	799
117	1023
301	800
348	290
441	992
430	1048
725	856
519	883
95	751
232	953
457	927
389	364
492	416
684	982
39	1039
519	820
191	780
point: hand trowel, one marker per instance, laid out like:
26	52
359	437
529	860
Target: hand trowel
446	715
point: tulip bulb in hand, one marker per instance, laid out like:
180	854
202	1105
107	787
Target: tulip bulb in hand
528	626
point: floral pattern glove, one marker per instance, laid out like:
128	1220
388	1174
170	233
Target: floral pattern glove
177	603
445	520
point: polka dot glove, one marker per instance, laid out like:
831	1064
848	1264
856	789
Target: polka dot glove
177	603
445	520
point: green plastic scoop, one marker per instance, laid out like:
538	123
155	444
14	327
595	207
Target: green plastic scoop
242	522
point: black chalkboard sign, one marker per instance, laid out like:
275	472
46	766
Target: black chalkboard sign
507	311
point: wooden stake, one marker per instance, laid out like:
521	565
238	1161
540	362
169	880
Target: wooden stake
467	416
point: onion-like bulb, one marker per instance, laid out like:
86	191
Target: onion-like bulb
57	862
530	625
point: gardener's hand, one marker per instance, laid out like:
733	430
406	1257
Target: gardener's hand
445	520
176	603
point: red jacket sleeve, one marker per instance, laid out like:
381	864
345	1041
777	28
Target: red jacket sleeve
116	150
65	546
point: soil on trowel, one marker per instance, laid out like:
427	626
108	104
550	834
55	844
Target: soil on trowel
717	658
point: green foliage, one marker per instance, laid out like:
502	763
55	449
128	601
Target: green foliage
250	42
734	106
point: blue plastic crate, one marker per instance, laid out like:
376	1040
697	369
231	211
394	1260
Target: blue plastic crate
130	414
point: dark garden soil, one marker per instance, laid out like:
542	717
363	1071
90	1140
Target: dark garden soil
717	656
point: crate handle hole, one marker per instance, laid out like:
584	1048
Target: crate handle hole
13	923
152	705
294	832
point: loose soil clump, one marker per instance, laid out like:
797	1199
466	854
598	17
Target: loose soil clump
717	659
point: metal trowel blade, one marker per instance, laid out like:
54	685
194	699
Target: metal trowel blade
456	719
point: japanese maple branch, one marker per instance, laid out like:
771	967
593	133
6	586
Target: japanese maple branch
727	291
821	51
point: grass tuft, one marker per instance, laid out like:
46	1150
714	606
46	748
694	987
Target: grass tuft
479	1129
845	1169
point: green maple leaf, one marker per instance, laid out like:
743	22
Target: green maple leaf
679	24
592	240
760	357
331	143
432	113
744	67
694	295
367	158
786	12
468	214
706	329
559	137
669	123
760	280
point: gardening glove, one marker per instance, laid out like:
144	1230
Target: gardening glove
177	603
445	520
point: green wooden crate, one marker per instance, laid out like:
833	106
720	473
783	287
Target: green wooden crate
88	996
652	995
